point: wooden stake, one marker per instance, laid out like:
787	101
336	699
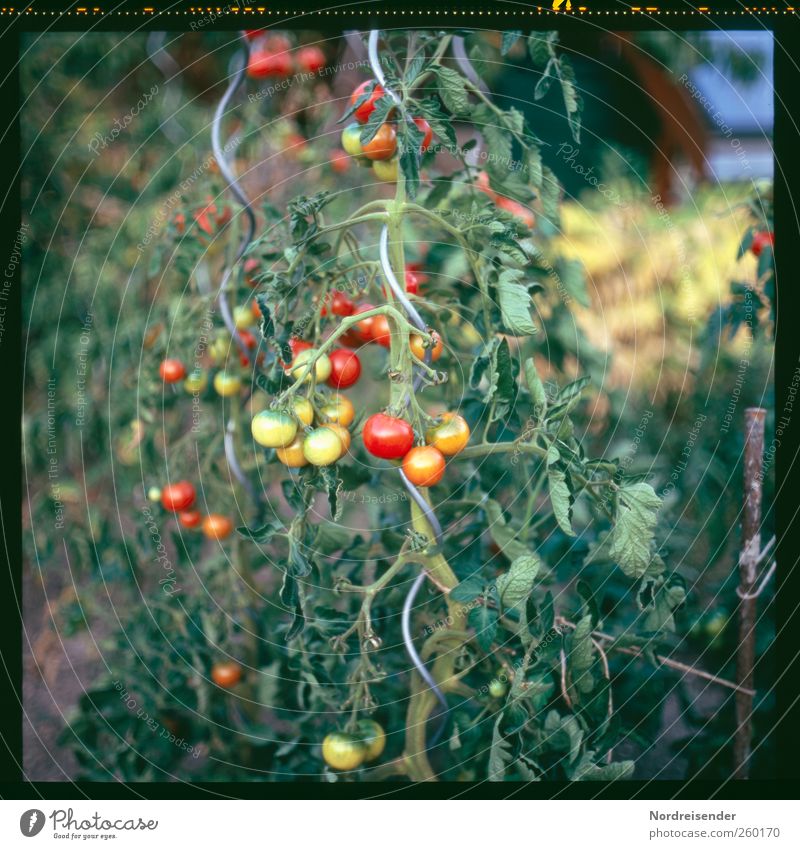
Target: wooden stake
748	563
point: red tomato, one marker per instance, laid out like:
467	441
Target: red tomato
310	59
517	210
368	106
424	465
297	345
424	127
761	240
226	673
172	371
190	518
339	304
253	34
363	330
382	331
413	279
264	63
340	162
387	437
216	526
345	368
350	339
178	497
180	222
251	342
250	269
382	145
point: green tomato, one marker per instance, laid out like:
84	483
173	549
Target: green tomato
227	384
351	139
385	169
195	382
322	447
273	429
373	738
497	688
322	367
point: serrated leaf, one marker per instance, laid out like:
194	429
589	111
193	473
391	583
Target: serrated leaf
441	124
483	620
561	499
499	755
536	388
541	47
515	303
409	157
634	528
502	534
262	534
553	455
581	656
467	590
585	770
452	90
503	385
534	163
545	81
510	38
515	585
563	734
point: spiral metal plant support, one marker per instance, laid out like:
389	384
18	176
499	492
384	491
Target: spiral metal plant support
415	318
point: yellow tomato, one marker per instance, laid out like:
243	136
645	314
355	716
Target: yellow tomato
303	410
322	447
340	410
385	169
373	737
451	436
227	384
196	381
321	370
292	455
273	429
343	751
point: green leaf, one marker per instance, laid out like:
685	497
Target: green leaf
467	590
441	123
484	620
541	47
563	734
502	534
515	303
515	586
500	755
262	534
551	193
331	537
562	499
503	388
585	770
572	100
377	119
536	388
573	278
452	91
510	38
573	389
410	142
634	528
545	81
581	656
534	157
666	600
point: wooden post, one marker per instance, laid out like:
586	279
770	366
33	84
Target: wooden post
748	564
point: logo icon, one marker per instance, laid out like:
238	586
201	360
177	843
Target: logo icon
31	822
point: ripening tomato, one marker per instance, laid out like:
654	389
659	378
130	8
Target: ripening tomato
345	368
322	447
351	139
387	437
424	127
301	368
517	210
172	371
373	738
451	436
227	384
363	329
340	161
255	309
383	144
417	345
217	526
386	170
190	518
761	240
265	63
343	751
242	317
178	496
273	428
340	410
344	436
154	493
303	410
382	331
424	465
339	304
310	59
292	455
195	382
368	106
226	673
250	269
413	279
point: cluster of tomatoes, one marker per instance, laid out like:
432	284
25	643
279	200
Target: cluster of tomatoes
381	150
344	751
179	498
271	56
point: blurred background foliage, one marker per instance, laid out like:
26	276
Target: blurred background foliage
649	312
